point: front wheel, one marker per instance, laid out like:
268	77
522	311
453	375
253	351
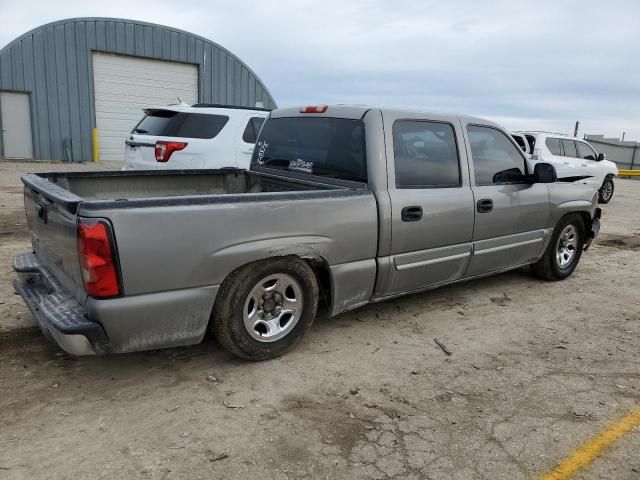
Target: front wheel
264	308
605	194
564	250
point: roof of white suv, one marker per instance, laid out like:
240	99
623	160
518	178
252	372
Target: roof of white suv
207	108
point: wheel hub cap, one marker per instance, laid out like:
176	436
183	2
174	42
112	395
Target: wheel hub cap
567	246
273	307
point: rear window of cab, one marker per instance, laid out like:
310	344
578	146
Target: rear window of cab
167	123
324	146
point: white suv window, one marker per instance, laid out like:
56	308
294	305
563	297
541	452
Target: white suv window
569	148
168	123
553	144
585	151
250	133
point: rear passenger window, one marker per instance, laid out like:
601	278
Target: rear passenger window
569	148
167	123
250	133
585	151
425	154
553	144
496	159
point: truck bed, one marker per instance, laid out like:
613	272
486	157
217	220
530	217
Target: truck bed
128	185
177	236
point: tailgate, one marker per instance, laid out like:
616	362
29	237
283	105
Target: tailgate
51	213
140	153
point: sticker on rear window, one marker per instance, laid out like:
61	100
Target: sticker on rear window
262	147
301	165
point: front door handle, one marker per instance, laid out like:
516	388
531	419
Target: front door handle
411	214
485	205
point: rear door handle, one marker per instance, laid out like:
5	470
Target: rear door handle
411	214
485	205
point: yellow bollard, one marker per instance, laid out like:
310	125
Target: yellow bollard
96	152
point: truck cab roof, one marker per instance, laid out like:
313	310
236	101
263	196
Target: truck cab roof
358	111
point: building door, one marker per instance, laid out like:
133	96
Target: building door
15	111
124	86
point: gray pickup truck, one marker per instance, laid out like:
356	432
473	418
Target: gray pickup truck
342	206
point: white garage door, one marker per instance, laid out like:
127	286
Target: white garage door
125	85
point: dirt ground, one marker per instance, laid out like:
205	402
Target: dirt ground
536	370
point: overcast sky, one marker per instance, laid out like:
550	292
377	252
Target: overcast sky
527	65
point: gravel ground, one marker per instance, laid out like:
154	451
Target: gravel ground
536	369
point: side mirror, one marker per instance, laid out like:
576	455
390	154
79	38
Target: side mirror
544	173
601	156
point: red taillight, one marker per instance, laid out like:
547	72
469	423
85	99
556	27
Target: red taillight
314	109
165	149
98	258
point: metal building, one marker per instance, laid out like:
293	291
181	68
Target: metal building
60	81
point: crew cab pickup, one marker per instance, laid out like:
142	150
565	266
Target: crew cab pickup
342	206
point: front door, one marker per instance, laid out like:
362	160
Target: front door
15	111
511	213
431	203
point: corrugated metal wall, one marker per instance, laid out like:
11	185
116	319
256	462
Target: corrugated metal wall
625	154
53	63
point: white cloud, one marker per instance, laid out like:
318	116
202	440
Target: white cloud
531	65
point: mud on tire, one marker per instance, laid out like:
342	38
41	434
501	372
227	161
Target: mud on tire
250	298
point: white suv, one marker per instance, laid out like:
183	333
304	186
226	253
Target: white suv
574	159
194	136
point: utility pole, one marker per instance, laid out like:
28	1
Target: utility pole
575	131
623	133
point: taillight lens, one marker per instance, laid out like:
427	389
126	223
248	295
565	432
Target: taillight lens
165	149
314	109
97	254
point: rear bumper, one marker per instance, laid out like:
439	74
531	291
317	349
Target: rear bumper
60	316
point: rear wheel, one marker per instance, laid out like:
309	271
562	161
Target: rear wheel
564	250
605	194
264	308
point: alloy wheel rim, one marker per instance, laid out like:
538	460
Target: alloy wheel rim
607	190
273	308
567	246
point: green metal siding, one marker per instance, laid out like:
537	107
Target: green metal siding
53	63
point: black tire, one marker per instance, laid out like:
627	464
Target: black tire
605	194
549	266
227	321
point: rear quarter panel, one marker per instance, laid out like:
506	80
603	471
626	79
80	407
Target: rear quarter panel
165	248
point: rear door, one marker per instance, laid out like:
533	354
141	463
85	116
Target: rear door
431	202
564	166
511	213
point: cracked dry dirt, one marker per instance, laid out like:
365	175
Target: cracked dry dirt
536	369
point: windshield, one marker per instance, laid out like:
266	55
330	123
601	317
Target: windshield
328	147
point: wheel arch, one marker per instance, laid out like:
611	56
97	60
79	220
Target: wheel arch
341	287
